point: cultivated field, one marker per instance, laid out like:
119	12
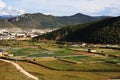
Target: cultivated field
62	62
61	65
47	74
9	72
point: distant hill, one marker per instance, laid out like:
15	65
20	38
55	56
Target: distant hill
39	20
5	24
105	31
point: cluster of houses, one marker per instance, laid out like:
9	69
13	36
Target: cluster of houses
20	33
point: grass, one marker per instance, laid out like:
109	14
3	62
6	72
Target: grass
38	50
60	65
100	50
47	74
64	52
108	51
13	43
25	51
114	59
78	49
53	53
86	58
93	59
77	58
8	72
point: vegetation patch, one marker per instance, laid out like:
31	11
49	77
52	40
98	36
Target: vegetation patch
25	51
61	65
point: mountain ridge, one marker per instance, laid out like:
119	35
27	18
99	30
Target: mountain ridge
39	20
106	31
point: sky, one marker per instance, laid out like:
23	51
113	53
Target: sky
61	7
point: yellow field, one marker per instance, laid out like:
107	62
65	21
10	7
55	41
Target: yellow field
47	74
8	72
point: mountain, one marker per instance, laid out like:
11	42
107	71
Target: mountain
105	31
5	24
39	20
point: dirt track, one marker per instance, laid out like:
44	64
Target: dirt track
19	68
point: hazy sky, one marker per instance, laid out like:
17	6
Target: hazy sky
60	7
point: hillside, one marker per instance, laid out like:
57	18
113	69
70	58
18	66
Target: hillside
5	24
103	31
39	20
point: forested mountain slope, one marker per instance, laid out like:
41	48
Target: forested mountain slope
103	31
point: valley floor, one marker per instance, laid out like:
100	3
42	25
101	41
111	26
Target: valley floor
51	61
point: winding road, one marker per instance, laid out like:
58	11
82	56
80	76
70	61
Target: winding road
19	68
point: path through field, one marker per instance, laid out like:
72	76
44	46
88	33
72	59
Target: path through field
19	68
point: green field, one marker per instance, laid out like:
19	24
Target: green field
49	53
86	58
40	52
77	58
25	51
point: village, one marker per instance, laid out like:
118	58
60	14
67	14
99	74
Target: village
7	34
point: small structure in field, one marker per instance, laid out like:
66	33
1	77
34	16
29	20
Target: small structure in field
10	55
91	50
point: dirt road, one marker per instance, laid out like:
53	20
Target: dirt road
19	68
